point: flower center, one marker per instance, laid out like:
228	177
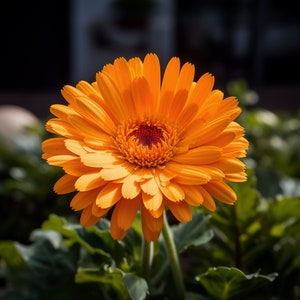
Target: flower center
148	143
148	135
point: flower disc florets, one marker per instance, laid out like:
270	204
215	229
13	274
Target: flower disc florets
146	143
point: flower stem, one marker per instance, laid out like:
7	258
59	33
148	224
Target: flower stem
147	256
174	260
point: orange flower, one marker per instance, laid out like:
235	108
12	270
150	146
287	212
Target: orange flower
130	142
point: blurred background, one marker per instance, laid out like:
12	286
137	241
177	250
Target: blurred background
46	44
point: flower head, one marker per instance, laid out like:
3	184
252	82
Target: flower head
130	141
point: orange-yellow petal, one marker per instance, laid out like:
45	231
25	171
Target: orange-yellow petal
123	216
87	218
109	195
152	202
199	155
151	226
89	181
173	192
83	199
65	185
181	210
221	191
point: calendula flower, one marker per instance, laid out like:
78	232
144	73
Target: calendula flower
130	141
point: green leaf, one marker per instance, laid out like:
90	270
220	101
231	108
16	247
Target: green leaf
227	283
137	287
73	234
193	233
13	253
111	281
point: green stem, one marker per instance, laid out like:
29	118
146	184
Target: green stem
174	260
147	256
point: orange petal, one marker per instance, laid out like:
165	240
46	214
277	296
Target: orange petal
60	160
87	129
150	186
152	202
83	199
65	185
95	113
186	77
62	111
208	201
188	174
152	74
180	210
221	191
151	226
141	95
87	218
130	187
193	195
109	195
240	177
62	128
89	181
99	212
115	173
112	97
170	75
229	165
123	216
173	192
202	89
199	155
75	167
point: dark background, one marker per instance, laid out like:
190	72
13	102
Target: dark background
258	41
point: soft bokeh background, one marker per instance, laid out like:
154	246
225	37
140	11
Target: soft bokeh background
46	44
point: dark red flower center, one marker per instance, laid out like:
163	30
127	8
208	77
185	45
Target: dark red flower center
148	135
